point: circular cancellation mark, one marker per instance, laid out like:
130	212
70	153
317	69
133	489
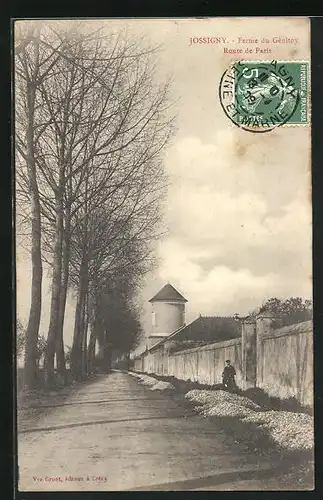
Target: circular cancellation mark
259	96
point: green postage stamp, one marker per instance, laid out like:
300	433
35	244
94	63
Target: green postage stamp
259	96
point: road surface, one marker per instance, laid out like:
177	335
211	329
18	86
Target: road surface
114	434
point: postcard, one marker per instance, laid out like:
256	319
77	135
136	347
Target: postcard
163	214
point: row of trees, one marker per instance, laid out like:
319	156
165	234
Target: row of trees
91	124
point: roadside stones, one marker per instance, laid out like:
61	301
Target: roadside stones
152	383
290	431
163	386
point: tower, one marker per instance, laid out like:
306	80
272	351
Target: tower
168	313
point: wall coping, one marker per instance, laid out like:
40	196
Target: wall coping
248	321
210	347
304	327
265	314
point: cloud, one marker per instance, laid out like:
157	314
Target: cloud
216	292
239	220
274	165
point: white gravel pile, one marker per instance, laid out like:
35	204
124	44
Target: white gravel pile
290	431
162	386
152	383
212	398
143	379
293	431
146	380
134	374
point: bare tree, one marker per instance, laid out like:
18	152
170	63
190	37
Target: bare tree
32	65
102	123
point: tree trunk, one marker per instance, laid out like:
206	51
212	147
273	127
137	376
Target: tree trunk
101	344
94	322
30	368
91	349
107	354
60	354
76	357
56	293
76	347
60	359
85	336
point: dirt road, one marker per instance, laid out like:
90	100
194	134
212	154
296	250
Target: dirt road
114	434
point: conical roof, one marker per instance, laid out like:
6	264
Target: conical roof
168	292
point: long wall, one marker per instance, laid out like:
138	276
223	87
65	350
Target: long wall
287	363
279	361
203	364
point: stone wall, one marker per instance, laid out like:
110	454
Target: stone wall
205	364
278	361
287	363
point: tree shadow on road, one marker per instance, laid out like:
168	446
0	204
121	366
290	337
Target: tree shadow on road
216	480
94	401
98	422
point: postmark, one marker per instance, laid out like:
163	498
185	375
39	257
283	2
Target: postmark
259	96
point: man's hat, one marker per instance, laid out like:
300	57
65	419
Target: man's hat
227	361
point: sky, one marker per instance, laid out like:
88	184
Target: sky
238	207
